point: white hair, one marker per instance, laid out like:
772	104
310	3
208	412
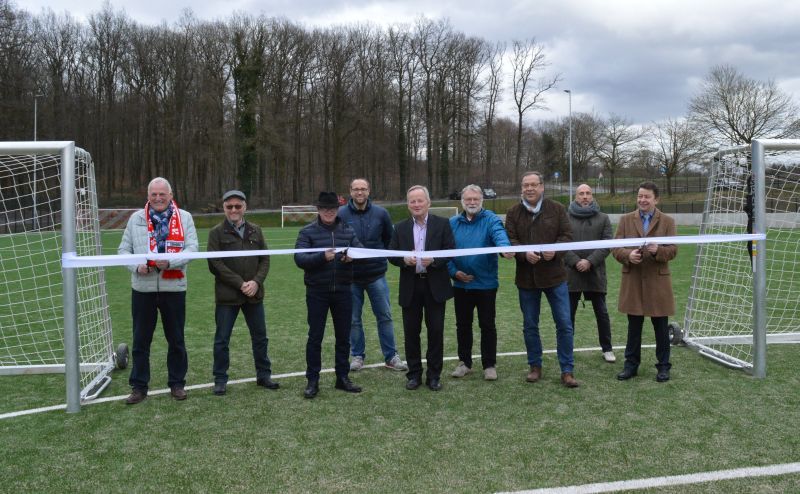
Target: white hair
419	187
159	180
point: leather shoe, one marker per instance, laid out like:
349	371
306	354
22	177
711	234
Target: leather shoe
626	374
267	383
311	389
412	384
136	396
568	380
535	374
345	384
178	393
219	389
662	376
434	384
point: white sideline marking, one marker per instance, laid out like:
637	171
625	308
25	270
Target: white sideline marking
692	478
157	392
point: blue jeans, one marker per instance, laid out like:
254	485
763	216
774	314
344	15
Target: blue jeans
530	304
225	316
378	292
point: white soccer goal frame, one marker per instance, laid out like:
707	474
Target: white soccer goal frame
758	367
444	211
300	210
71	367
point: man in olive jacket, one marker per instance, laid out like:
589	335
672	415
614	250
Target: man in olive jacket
535	221
239	286
586	268
646	286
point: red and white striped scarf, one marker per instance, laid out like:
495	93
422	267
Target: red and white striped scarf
174	242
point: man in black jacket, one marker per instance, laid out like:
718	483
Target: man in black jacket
239	286
328	276
424	285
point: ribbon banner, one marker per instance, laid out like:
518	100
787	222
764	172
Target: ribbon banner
72	261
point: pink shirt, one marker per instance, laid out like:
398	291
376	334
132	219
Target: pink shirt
420	233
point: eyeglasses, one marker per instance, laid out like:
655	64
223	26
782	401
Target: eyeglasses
233	206
359	190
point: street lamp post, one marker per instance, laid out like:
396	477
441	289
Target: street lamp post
569	92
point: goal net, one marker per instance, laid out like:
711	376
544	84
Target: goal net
32	285
297	214
743	294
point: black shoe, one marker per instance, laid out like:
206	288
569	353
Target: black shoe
412	384
312	389
662	376
626	374
267	383
219	389
434	384
345	384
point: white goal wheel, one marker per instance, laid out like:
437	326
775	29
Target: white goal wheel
675	333
121	356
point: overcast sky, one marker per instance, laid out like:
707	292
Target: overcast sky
639	59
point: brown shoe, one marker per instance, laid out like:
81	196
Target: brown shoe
136	396
535	374
568	380
178	393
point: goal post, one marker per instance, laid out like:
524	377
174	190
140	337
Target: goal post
52	319
743	296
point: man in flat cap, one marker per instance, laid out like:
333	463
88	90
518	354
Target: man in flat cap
328	279
239	286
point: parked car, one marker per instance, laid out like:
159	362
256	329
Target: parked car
489	193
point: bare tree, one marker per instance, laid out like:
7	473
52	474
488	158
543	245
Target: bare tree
493	85
739	109
613	146
677	144
527	60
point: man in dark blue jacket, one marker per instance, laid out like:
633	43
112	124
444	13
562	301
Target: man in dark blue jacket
328	276
373	227
475	280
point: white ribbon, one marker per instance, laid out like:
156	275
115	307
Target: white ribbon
70	260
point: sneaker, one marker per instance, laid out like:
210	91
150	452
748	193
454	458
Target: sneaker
609	357
357	364
490	374
395	363
461	370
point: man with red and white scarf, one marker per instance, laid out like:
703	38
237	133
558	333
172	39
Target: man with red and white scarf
158	286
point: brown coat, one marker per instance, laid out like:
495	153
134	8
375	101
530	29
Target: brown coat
646	288
550	226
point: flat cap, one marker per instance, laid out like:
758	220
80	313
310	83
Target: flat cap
233	193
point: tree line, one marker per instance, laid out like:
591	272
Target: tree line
282	111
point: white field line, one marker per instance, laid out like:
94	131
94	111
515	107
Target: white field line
246	380
692	478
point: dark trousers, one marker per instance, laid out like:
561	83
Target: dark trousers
598	300
225	316
633	349
466	301
423	303
145	307
340	305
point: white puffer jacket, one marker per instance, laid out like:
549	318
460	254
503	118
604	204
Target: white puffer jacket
134	241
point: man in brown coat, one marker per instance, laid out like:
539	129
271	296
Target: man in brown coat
535	221
646	287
